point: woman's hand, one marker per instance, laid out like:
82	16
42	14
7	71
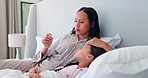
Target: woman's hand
47	40
99	43
33	71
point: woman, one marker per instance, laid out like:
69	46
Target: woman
61	53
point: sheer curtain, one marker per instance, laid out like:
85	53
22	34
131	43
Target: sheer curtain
8	24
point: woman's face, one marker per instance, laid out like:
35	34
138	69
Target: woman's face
82	26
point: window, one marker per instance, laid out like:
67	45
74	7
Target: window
23	11
25	6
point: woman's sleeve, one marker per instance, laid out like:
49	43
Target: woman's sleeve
37	57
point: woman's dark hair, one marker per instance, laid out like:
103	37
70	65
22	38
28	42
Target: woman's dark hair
93	18
96	51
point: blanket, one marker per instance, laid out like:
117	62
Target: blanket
9	73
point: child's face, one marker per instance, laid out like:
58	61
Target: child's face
82	53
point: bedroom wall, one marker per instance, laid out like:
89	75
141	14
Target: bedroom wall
126	17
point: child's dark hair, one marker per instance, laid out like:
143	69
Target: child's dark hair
96	51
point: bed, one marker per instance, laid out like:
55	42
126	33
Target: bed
125	17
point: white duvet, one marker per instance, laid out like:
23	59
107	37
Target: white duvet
9	73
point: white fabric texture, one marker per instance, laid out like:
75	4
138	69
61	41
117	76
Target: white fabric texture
73	71
127	60
39	44
49	74
9	73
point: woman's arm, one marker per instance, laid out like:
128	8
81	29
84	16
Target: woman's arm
46	42
99	43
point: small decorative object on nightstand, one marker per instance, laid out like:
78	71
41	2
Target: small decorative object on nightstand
16	40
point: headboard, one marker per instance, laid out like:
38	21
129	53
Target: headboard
126	17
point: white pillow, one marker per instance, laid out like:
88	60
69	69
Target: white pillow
39	44
128	60
113	41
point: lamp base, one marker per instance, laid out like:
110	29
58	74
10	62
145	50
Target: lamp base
17	54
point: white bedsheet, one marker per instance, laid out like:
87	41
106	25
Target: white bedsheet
9	73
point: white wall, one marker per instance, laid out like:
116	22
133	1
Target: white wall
128	17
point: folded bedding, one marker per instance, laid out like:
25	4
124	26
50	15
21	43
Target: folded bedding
9	73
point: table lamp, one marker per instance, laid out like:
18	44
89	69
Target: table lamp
16	40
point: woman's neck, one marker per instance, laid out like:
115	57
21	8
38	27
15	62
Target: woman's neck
81	37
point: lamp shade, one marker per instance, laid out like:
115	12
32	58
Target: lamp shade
16	40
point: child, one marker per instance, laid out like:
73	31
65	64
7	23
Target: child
84	56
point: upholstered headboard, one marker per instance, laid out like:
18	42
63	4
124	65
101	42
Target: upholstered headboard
126	17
